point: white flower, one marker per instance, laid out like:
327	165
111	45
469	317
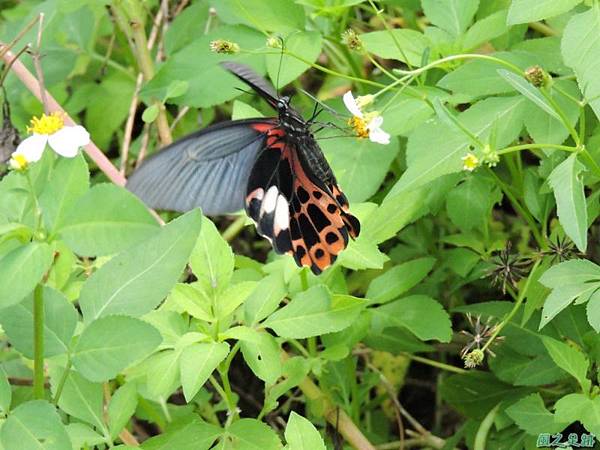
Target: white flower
470	162
49	129
365	124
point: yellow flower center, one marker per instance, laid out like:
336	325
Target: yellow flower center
18	161
360	126
46	124
470	162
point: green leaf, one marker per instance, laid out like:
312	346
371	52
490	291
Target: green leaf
574	271
150	113
121	407
176	89
192	299
212	260
209	83
485	30
184	29
197	363
252	434
69	180
5	392
570	360
261	352
435	149
60	319
470	203
567	185
362	254
314	312
475	393
21	269
581	49
82	435
398	280
283	69
401	44
139	278
408	312
523	11
300	434
34	425
360	165
283	15
593	310
242	110
191	435
80	398
265	299
546	129
232	297
480	78
112	343
162	373
529	91
579	407
454	16
531	416
106	220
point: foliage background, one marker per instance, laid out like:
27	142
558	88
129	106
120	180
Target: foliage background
248	351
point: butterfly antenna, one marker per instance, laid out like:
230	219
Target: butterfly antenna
280	64
323	105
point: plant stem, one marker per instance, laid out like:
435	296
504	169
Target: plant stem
62	382
433	363
517	148
520	209
234	229
38	342
515	308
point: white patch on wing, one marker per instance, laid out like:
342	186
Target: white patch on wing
282	214
270	201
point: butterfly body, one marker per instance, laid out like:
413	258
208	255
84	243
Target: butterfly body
274	167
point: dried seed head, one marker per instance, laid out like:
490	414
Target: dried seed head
223	46
474	359
537	76
352	40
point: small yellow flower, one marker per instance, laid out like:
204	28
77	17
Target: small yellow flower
18	161
273	42
223	46
365	124
470	162
47	124
49	129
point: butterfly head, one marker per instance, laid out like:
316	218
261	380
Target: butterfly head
283	104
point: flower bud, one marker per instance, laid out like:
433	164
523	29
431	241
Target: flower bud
352	40
223	46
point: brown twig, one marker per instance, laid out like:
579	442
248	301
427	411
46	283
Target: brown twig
31	83
36	55
129	124
180	7
11	44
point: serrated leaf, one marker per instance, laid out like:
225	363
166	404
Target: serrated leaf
454	16
531	416
105	220
523	11
112	343
139	278
408	312
528	90
567	185
314	312
581	49
197	363
569	359
300	434
398	280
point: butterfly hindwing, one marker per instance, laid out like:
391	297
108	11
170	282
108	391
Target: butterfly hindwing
297	213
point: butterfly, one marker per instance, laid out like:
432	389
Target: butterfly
273	167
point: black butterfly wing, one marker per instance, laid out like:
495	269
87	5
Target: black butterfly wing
297	212
252	79
208	169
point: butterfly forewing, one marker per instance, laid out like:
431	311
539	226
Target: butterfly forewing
208	169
